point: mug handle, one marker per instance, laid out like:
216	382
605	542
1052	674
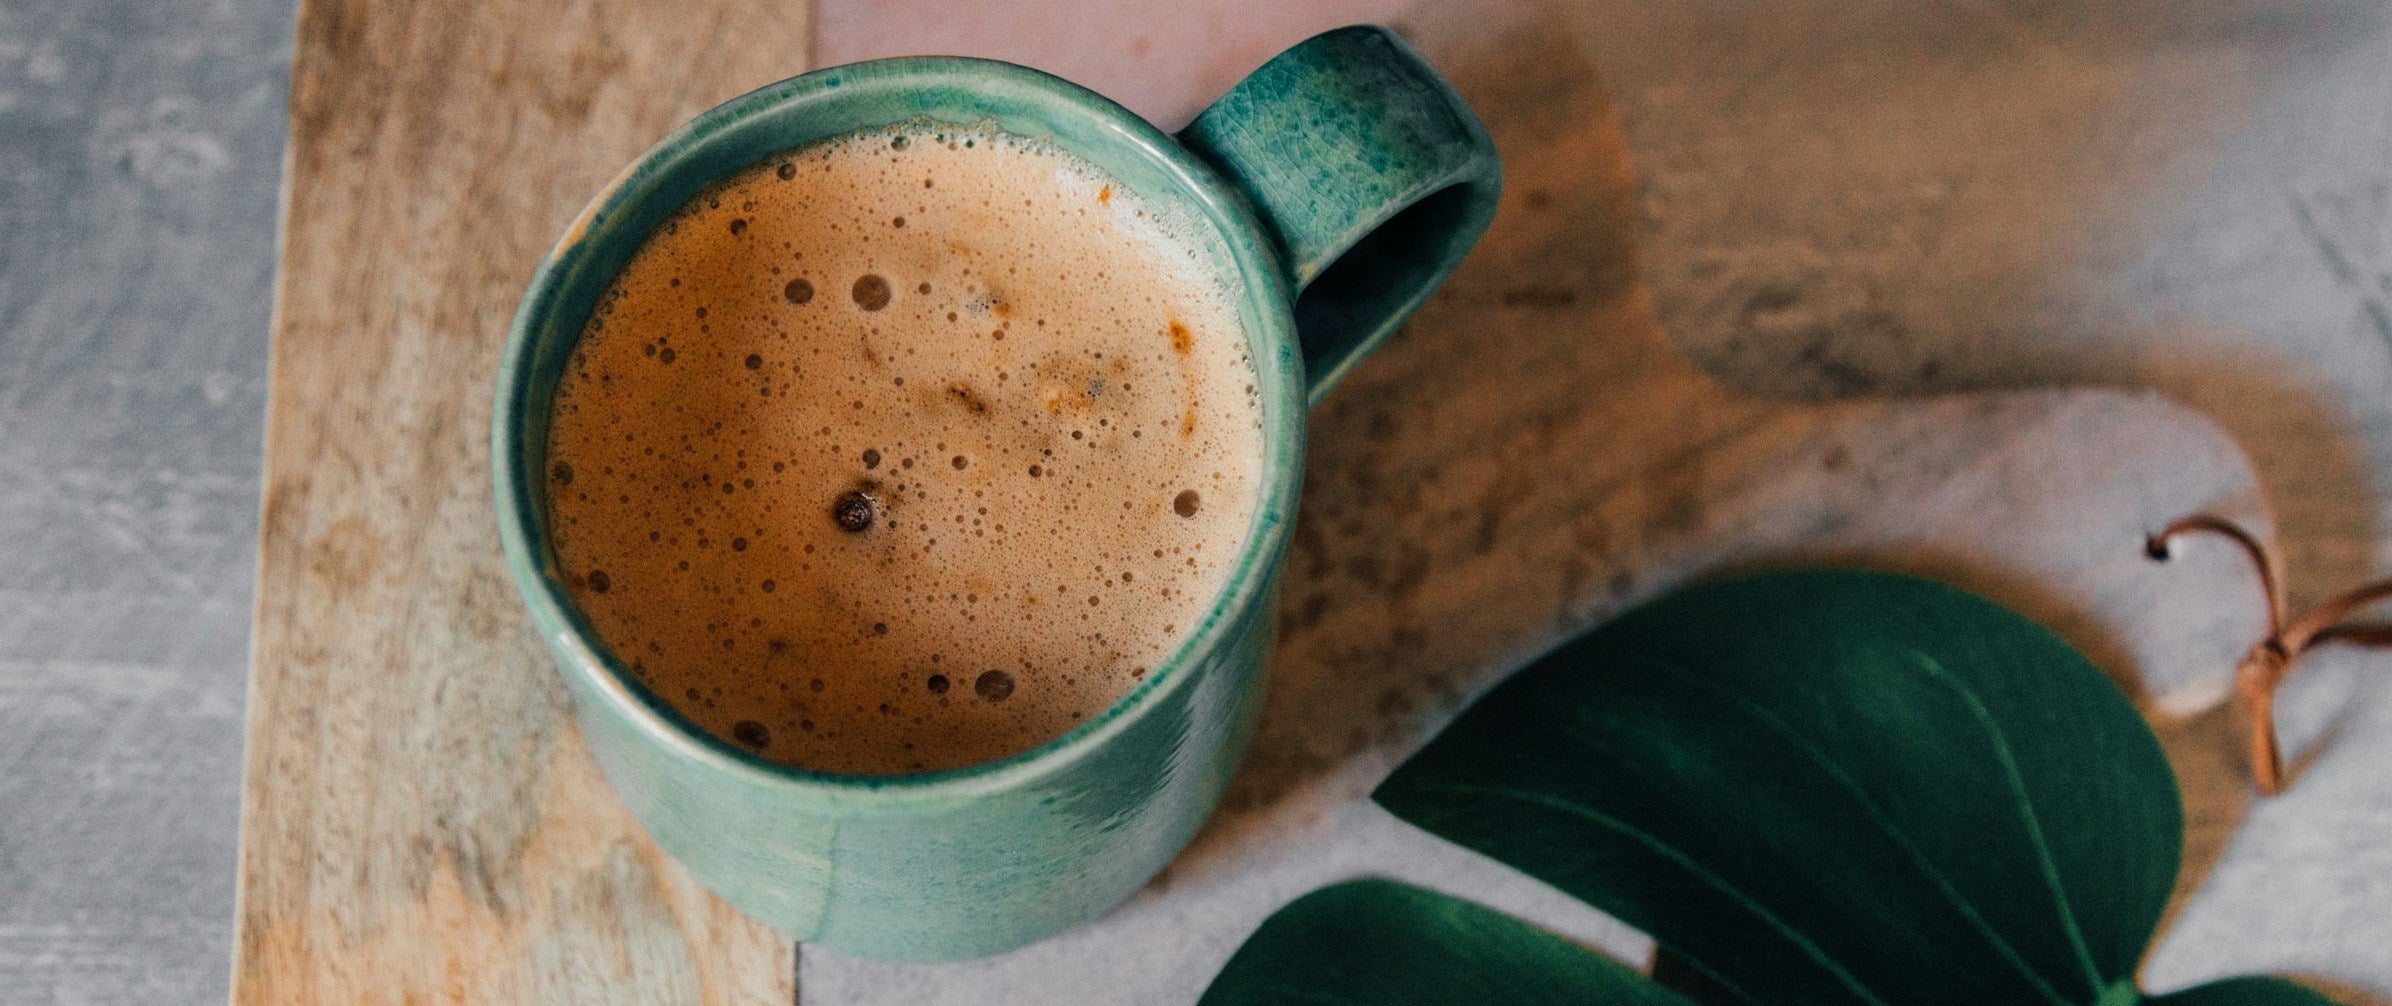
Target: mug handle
1370	172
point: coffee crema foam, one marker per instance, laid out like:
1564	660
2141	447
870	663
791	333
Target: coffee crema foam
904	451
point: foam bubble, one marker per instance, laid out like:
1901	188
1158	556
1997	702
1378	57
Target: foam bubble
978	421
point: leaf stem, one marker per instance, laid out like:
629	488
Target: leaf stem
2268	662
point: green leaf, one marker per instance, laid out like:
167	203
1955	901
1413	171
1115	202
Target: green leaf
2244	992
1381	943
1827	786
1818	786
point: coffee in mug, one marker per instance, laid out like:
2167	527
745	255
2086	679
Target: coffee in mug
1287	230
905	450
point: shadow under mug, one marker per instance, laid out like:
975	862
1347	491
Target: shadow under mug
1332	191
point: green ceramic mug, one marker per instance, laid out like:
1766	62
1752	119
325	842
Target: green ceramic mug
1334	188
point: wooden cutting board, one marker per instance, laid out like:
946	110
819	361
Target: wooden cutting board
421	820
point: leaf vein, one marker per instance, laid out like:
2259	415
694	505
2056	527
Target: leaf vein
1877	816
1784	930
2044	860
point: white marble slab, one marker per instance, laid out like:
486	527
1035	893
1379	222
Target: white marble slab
1534	453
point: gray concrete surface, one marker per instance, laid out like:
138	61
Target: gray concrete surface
140	154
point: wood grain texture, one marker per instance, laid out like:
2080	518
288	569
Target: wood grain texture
421	822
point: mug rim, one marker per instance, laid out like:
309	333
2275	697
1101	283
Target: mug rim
1277	363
